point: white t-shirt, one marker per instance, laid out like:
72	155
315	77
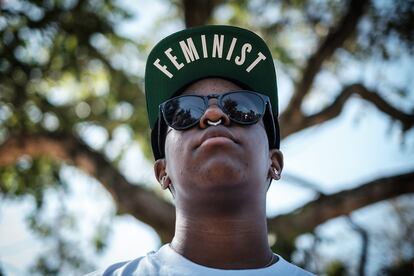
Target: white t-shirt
166	261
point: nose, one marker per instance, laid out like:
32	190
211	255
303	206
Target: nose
214	114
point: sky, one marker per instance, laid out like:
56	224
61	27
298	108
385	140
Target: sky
341	154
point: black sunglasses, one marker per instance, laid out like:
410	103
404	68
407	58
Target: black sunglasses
242	107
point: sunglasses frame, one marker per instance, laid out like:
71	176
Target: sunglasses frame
265	101
271	124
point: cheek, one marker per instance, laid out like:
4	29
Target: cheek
170	143
175	153
172	146
258	146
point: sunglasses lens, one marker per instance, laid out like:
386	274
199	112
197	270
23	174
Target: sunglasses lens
243	107
183	112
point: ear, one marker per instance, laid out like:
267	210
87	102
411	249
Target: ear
276	166
161	173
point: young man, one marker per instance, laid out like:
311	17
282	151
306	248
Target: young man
212	105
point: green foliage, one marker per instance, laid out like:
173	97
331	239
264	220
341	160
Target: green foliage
57	227
63	252
391	25
29	177
405	267
336	268
63	66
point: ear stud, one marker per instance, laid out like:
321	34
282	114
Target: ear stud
163	180
276	174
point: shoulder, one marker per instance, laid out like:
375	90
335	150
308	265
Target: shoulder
144	265
283	267
121	268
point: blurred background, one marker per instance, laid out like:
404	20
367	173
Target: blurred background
77	190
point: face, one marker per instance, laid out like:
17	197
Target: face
227	161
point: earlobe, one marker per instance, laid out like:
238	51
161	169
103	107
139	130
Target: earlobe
161	173
276	166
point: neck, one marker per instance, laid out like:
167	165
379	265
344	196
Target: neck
235	242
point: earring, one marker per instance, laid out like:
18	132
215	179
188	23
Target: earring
163	180
276	174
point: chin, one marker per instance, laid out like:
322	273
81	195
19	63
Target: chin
222	175
220	172
222	185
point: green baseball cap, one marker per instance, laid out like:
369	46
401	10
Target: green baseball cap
192	54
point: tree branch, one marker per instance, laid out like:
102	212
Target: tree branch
334	40
365	243
159	214
332	111
307	218
301	182
132	199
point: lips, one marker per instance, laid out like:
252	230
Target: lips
214	132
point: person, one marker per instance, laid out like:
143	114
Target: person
212	105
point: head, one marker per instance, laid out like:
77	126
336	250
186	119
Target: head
228	164
231	163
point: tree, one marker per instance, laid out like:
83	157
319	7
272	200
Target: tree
71	48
